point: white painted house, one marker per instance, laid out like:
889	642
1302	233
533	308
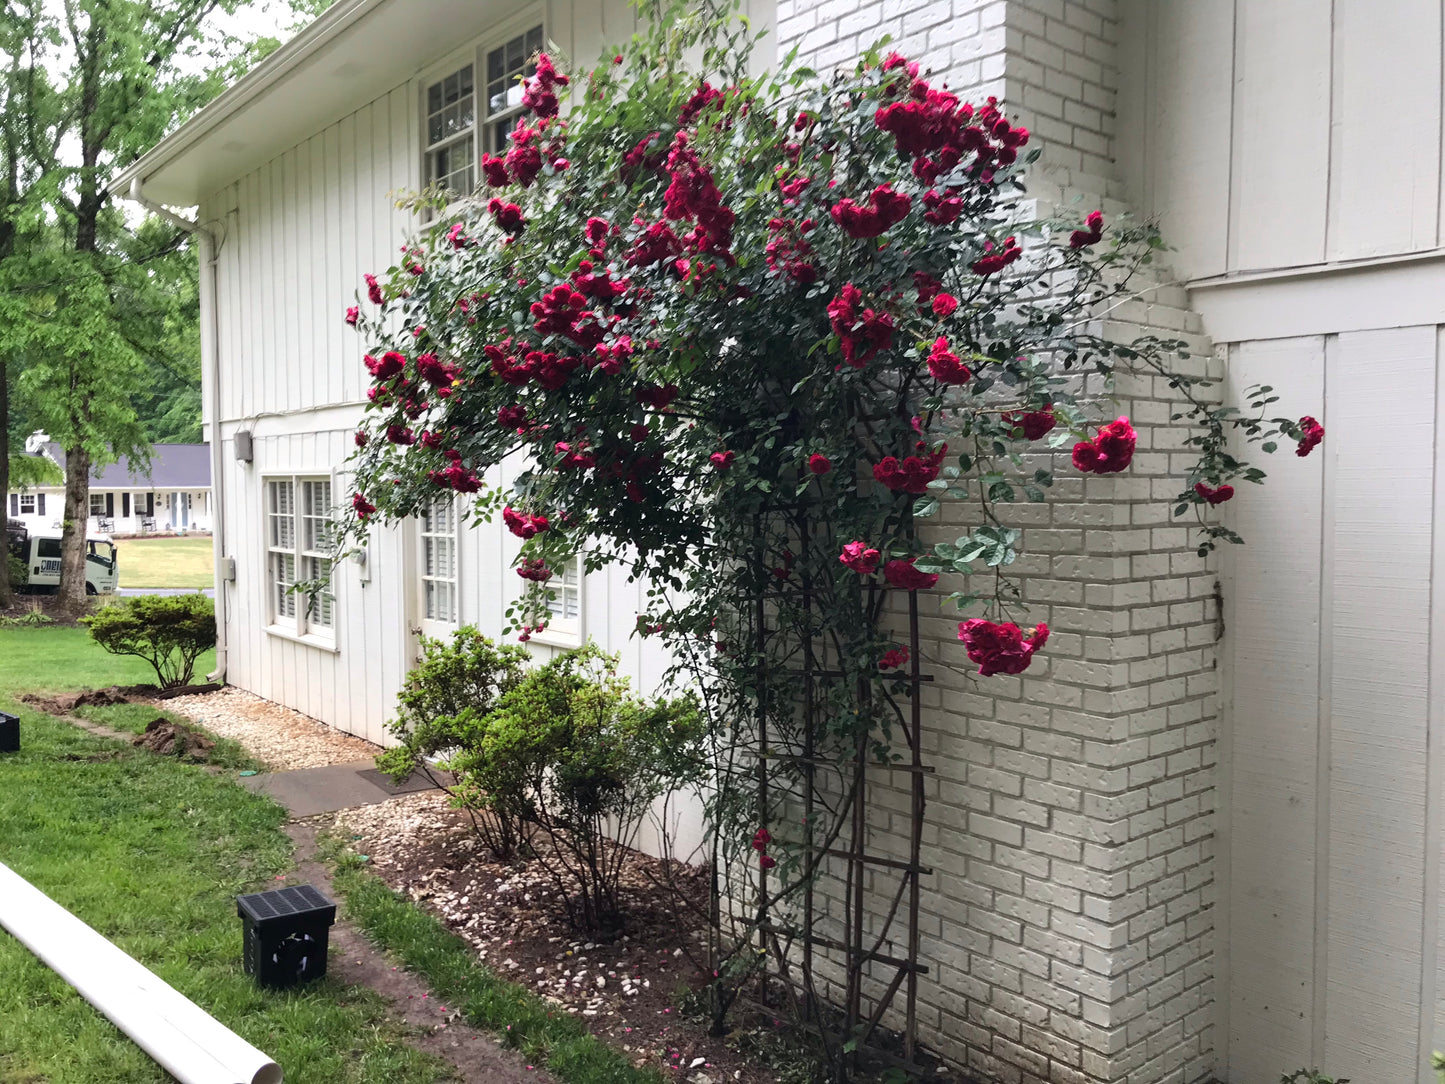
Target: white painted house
170	494
1190	845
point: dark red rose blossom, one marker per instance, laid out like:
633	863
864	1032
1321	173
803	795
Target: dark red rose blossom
1092	235
508	215
1034	423
353	314
522	525
761	838
819	464
857	556
652	395
704	96
912	474
362	506
512	417
524	159
539	92
361	438
534	569
945	366
400	434
1212	495
1313	432
1001	649
893	658
994	260
901	573
656	243
439	374
886	208
945	305
862	335
648	154
390	365
373	289
597	232
941	210
1111	451
767	861
494	170
721	460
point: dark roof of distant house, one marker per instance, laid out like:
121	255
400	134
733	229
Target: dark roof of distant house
172	466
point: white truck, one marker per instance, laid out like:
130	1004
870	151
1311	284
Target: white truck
40	553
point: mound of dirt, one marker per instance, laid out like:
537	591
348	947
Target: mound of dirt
170	739
65	703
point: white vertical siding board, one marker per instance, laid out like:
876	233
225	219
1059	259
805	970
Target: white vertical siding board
1387	101
1378	695
1432	977
1273	736
349	261
1280	146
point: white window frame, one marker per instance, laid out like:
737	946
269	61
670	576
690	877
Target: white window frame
97	512
28	497
484	118
450	537
297	549
570	581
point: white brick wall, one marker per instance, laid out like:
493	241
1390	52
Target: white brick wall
1069	924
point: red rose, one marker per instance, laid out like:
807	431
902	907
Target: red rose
944	305
362	506
901	573
912	474
767	861
534	569
761	838
702	97
1312	433
941	209
508	216
639	433
996	260
721	460
1090	236
1034	423
1214	496
885	208
893	658
373	289
353	314
494	169
819	464
945	366
1109	452
523	525
1000	649
361	438
858	557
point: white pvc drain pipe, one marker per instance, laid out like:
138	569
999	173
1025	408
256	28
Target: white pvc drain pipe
186	1041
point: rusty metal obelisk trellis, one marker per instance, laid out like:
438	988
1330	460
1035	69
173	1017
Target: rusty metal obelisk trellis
840	940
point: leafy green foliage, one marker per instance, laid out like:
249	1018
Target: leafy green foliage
441	708
573	755
168	631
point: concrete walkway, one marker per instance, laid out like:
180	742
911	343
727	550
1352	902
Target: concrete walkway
306	792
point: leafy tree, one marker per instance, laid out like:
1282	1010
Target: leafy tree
168	631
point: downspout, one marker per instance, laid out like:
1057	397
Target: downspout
207	254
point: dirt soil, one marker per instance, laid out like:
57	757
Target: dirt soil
170	739
435	1029
628	990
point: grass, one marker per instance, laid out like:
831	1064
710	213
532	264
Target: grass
151	852
544	1034
54	658
166	562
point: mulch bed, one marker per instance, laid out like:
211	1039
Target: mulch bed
628	990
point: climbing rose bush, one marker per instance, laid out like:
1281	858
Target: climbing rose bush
745	335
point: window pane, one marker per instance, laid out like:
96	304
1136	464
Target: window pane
283	575
319	608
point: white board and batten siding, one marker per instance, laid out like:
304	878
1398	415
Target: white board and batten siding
1280	133
1335	722
298	233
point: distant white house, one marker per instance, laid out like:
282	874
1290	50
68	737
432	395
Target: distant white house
1189	844
173	494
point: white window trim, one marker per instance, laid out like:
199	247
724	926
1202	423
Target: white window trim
34	503
419	564
567	634
475	53
298	628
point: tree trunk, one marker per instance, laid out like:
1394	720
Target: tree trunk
72	538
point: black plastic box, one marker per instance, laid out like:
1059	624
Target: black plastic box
9	733
286	932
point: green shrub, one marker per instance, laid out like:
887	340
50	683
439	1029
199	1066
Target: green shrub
439	711
168	631
571	753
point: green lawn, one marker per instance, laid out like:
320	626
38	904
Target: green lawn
152	852
166	562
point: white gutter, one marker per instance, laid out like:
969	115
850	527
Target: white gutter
210	373
185	1040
